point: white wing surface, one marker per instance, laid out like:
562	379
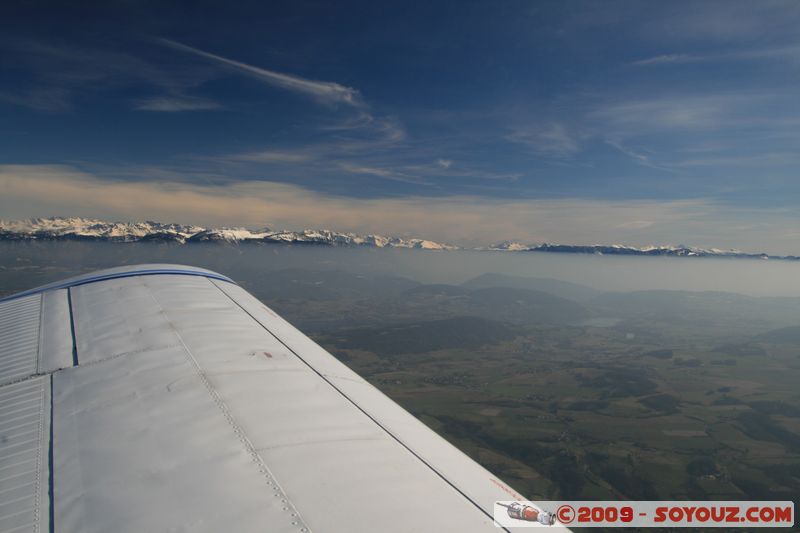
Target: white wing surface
167	398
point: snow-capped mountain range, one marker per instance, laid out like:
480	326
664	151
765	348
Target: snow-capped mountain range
76	228
679	250
66	228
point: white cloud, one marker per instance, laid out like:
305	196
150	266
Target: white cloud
791	53
270	156
173	104
28	190
552	139
665	59
639	157
323	91
690	112
51	100
385	173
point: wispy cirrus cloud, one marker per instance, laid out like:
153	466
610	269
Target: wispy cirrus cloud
46	99
410	162
383	129
359	118
269	156
174	104
553	139
666	59
393	174
678	132
327	92
641	158
781	53
673	112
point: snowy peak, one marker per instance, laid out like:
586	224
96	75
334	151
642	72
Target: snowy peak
227	235
510	246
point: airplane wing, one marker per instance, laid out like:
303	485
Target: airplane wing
167	398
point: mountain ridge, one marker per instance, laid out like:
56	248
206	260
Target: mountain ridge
78	228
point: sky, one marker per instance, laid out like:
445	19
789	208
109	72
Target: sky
470	122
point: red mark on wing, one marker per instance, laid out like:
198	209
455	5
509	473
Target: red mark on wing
506	489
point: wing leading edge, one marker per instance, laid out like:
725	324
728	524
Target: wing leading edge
167	398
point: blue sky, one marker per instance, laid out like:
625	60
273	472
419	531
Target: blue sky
468	121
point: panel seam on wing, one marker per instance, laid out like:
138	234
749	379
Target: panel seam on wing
297	520
40	335
22	379
38	483
29	377
131	352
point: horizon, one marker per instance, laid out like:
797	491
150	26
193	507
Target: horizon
24	227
